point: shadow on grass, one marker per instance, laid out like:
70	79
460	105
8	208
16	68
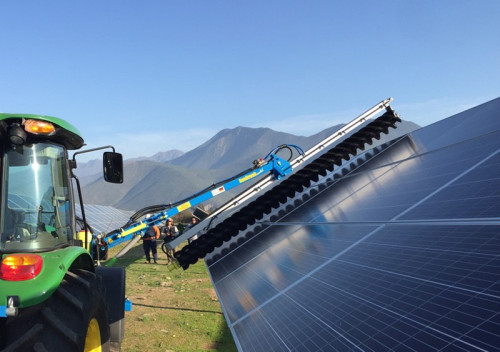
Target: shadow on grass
181	309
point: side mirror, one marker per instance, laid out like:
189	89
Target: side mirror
112	164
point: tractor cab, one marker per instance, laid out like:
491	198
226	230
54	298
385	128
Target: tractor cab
37	211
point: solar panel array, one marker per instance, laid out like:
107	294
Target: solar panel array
397	250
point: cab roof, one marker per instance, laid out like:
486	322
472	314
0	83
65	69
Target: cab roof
65	134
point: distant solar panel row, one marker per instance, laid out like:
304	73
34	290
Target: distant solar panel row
104	218
400	254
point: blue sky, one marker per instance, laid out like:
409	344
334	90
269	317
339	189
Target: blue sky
149	76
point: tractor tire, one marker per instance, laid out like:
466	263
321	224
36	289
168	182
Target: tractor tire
74	318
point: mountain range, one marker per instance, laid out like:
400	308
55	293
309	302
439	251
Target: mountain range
171	176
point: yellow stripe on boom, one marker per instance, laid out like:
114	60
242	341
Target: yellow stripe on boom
184	206
133	229
250	176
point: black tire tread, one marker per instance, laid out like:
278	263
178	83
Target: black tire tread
60	323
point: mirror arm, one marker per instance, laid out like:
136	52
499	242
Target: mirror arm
90	150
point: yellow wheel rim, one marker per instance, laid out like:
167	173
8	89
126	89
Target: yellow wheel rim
93	338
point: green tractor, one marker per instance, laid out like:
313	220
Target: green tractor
53	296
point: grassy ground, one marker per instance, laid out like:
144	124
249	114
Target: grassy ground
173	309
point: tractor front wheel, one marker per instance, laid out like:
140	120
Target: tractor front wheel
74	318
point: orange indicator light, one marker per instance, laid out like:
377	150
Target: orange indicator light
39	127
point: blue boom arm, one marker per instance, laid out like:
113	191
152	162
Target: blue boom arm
277	166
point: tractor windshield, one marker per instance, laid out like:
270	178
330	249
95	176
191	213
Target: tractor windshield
36	209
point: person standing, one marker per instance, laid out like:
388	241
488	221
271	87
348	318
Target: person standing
171	232
194	221
149	243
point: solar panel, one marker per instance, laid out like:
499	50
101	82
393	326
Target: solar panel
103	219
398	249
